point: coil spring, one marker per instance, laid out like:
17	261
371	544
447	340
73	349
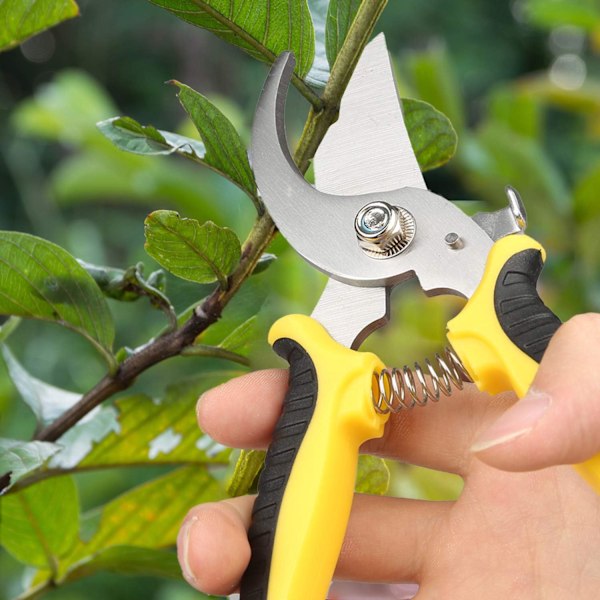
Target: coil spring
400	389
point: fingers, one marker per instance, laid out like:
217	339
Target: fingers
558	421
243	412
213	548
212	545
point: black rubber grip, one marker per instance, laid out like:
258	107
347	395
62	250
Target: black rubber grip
525	319
298	409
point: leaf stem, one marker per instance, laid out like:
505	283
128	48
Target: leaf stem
321	116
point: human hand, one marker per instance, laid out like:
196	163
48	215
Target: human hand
509	535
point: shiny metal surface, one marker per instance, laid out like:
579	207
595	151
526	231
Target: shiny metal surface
321	226
350	314
368	148
506	221
405	388
384	231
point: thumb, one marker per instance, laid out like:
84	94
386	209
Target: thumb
558	421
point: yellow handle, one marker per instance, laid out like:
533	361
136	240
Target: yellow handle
314	510
491	357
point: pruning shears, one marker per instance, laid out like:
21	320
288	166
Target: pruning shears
370	224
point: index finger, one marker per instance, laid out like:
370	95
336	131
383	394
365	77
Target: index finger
243	413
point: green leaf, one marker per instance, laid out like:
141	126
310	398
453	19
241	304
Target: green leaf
130	285
23	18
127	134
226	154
128	560
373	476
340	17
586	195
91	176
151	430
46	401
264	262
148	516
247	468
262	29
225	151
496	155
431	134
239	339
39	524
554	13
433	81
8	327
200	253
521	112
248	302
21	458
409	481
40	280
66	110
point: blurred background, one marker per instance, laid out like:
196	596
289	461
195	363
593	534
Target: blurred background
519	81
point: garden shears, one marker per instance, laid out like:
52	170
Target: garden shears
370	224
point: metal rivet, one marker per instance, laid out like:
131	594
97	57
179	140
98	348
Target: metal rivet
453	240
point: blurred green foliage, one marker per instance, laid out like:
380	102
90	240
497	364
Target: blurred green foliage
520	84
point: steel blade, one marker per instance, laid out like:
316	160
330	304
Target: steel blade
368	149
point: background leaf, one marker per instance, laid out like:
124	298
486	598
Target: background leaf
23	18
552	13
66	110
340	17
39	525
153	431
373	476
263	29
247	468
200	253
39	279
46	401
129	135
225	151
128	560
21	458
149	515
433	80
431	134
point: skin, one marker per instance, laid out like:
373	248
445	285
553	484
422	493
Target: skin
515	532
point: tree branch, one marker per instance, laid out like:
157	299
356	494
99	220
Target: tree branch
261	235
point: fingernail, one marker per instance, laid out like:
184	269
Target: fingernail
183	542
517	421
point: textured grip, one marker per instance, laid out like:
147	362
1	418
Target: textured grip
298	409
524	318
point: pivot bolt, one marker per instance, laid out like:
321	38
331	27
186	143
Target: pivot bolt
383	230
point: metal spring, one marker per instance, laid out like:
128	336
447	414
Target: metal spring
401	389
